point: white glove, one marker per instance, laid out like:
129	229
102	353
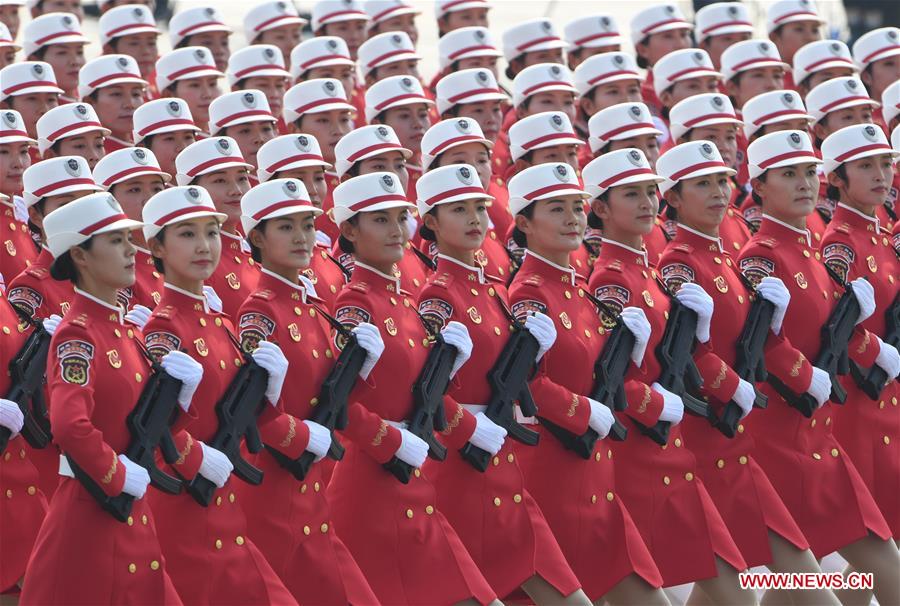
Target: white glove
215	466
888	359
488	435
52	323
411	225
543	330
369	338
694	297
772	289
138	315
269	356
673	407
319	439
457	334
136	478
744	396
601	419
187	370
212	299
413	449
20	209
11	416
636	321
819	386
323	239
865	294
308	285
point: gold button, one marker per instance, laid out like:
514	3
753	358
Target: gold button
231	498
116	331
429	509
497	330
306	530
894	401
329	353
416	282
666	480
323	528
568	294
417	472
22	453
132	568
393	300
218	321
491	291
218	543
517	498
827	420
880	406
817	456
317	487
425	342
610	496
717	260
818	256
742	460
315	354
130	333
688	476
222	364
587	333
608	454
677	442
593	498
237	362
218	500
812	423
596	456
8	494
239	540
740	429
32	490
806	254
887	440
473	291
411	343
144	519
312	312
313	401
138	377
7	456
202	321
510	458
741	299
298	311
409	513
834	452
154	565
720	463
303	489
497	501
130	521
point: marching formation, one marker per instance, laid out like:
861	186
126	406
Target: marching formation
296	325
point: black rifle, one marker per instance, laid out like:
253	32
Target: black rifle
150	425
331	409
608	389
26	370
237	410
679	373
509	383
750	364
872	380
833	357
428	399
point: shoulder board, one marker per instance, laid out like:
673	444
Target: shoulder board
444	280
264	294
842	227
494	279
884	231
533	280
579	279
38	272
767	242
614	265
683	247
359	286
166	312
315	299
81	320
405	293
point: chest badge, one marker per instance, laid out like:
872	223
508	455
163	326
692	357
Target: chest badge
564	318
721	284
474	315
481	258
873	266
648	298
200	345
233	281
10	248
390	327
114	360
294	331
801	280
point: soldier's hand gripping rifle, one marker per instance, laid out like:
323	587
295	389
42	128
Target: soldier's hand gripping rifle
331	410
27	369
150	425
833	357
872	380
509	384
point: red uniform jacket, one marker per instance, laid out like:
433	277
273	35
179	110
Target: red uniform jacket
148	283
19	251
326	274
235	277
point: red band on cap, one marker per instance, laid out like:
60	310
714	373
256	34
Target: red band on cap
372	148
278	206
694	167
597	78
53	36
863	148
744	64
109	77
536	41
253	112
586	39
803	153
795	13
90	229
784	112
454	192
275	20
624	129
551	137
452	56
386	12
214	162
377	200
725	24
21	85
113	32
187	30
883	49
59	133
194	68
13	133
319	102
671	77
129	171
666	22
549	189
394	53
537	87
387	102
453	141
164	123
816	64
473	92
699	119
328	16
313	61
161	222
827	108
447	6
291	159
254	68
624	175
59	185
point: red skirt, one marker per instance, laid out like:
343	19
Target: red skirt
586	514
210	558
291	524
22	509
85	556
406	548
499	522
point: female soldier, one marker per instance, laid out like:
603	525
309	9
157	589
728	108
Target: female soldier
577	496
329	57
685	533
190	74
406	548
14	160
287	518
512	544
697	187
858	164
57	39
245	117
73	129
805	463
112	84
261	67
96	369
204	27
165	127
657	31
211	559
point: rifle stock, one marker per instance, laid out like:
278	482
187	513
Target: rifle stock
26	370
873	380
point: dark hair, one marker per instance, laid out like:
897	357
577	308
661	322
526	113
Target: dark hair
255	252
157	262
518	235
671	211
664	109
641	61
63	267
37	55
832	192
425	232
344	244
593	220
353	171
756	198
513	63
38	207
